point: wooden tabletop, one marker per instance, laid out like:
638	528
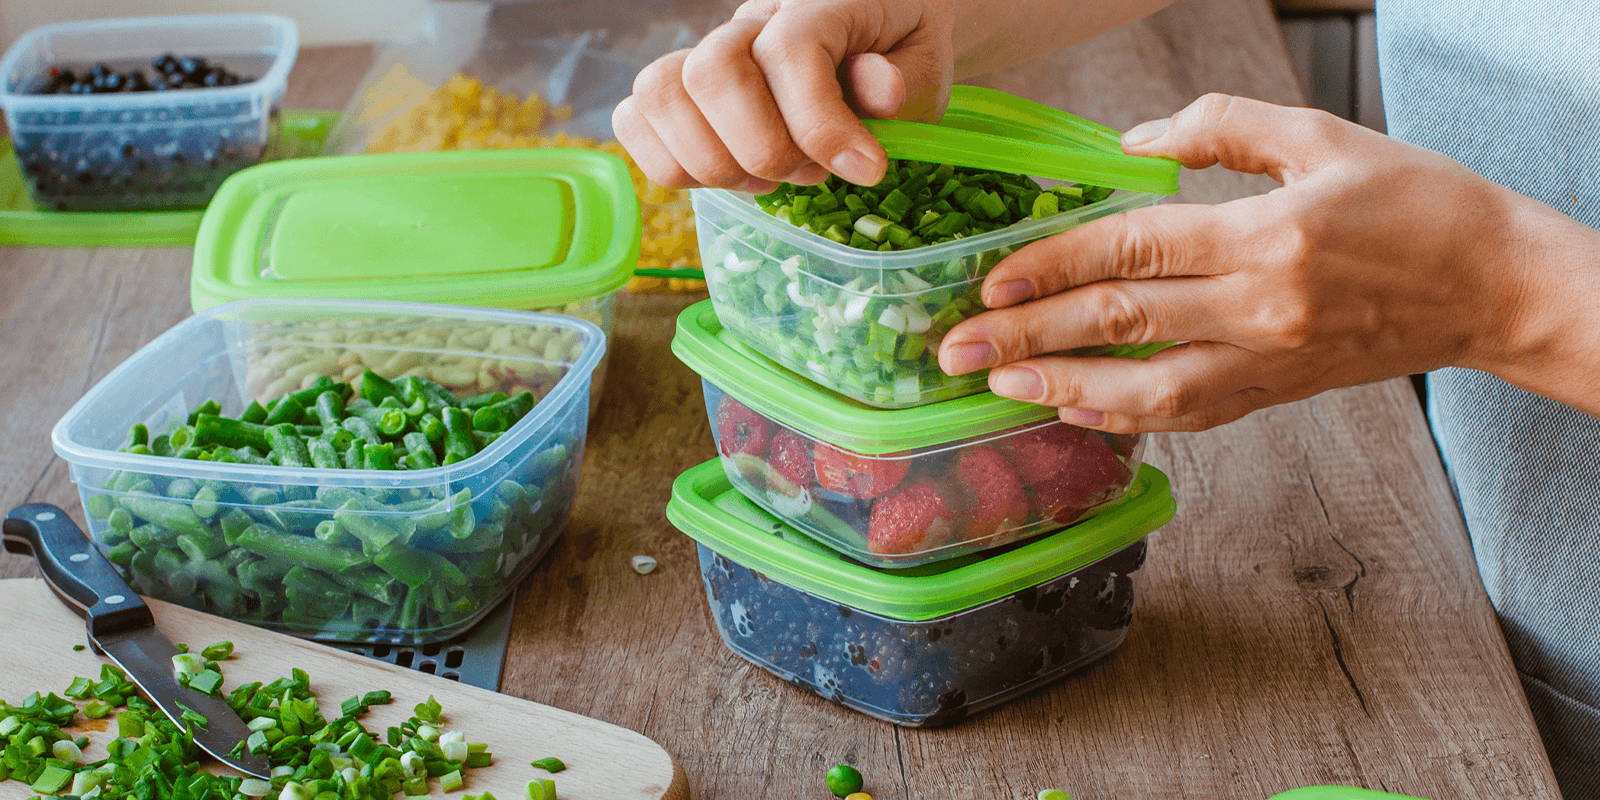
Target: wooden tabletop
1312	615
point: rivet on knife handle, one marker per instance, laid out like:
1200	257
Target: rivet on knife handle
75	569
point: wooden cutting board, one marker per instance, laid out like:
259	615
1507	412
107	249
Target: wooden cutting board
604	762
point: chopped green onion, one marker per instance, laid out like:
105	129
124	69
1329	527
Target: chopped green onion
550	764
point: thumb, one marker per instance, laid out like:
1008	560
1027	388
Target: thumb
1241	134
911	81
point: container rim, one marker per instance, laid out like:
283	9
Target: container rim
743	206
580	371
274	79
822	571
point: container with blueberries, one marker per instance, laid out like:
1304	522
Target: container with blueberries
925	646
144	112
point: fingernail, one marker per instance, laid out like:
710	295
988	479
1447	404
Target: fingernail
1084	417
959	359
759	186
1010	293
1017	383
856	167
1146	132
808	175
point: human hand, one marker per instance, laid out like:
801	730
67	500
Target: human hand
775	93
1375	258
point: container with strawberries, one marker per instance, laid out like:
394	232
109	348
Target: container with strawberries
896	488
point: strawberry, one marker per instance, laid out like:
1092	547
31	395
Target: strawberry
740	430
851	475
1041	454
998	502
790	456
1089	475
911	519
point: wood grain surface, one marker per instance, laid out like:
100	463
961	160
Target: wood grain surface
1312	616
604	762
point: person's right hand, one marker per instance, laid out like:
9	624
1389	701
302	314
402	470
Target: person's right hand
774	94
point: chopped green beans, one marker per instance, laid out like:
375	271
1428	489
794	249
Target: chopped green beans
332	561
317	428
844	780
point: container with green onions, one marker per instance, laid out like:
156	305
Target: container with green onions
252	464
854	287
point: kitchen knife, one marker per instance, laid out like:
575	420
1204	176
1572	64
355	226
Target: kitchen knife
121	626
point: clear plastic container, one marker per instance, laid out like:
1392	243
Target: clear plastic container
346	555
923	647
823	309
898	487
931	503
144	150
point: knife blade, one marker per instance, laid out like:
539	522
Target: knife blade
121	626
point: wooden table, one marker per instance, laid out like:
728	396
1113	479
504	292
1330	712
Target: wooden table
1312	616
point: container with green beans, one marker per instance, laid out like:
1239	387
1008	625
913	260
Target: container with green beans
347	506
853	287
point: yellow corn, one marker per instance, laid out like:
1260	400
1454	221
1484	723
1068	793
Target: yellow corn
467	114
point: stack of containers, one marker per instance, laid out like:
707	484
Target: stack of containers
897	540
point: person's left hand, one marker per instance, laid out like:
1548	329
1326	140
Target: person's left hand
1375	259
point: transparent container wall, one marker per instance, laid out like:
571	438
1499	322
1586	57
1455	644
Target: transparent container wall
863	323
344	555
602	311
929	504
930	673
580	54
144	150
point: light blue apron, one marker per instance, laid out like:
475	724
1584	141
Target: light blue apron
1512	89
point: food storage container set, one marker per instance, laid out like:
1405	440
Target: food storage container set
488	277
902	542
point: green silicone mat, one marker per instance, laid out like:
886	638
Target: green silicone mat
299	133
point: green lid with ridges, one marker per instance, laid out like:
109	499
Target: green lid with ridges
717	354
990	129
707	508
520	229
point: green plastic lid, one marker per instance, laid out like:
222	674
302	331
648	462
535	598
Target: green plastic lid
717	354
524	229
298	134
990	129
705	506
1339	793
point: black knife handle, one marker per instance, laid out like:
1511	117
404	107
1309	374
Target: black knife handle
75	569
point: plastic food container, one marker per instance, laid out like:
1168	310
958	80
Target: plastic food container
144	150
865	324
920	647
897	487
553	230
472	529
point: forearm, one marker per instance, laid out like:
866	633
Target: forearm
1550	345
994	35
